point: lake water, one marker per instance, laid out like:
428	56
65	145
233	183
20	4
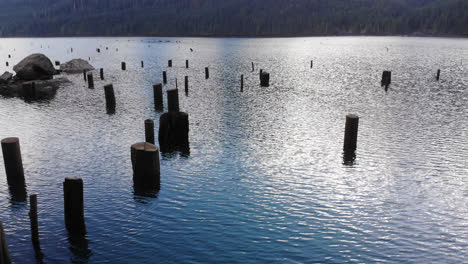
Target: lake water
265	180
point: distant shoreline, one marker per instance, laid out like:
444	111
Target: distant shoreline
239	36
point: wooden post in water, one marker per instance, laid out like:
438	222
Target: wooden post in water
34	221
124	66
110	98
264	79
207	73
7	64
351	133
186	84
173	100
176	83
98	50
158	96
311	64
164	77
84	75
90	81
9	56
386	78
186	64
169	63
173	126
4	253
101	73
149	131
253	68
145	164
438	75
13	162
73	205
142	64
242	83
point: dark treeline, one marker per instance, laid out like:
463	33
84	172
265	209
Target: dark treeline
233	17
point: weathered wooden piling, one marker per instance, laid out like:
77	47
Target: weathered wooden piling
7	64
186	64
351	132
84	75
9	56
242	83
264	79
253	68
173	100
98	50
164	77
124	66
158	96
101	73
386	78
13	162
207	73
176	83
34	220
90	81
4	253
149	131
173	126
110	97
142	64
29	90
146	168
73	205
186	84
169	63
57	63
438	75
311	64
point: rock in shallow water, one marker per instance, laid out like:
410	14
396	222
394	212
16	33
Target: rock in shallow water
76	66
34	67
44	89
5	77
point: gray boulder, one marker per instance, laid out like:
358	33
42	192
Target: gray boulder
5	77
76	66
35	67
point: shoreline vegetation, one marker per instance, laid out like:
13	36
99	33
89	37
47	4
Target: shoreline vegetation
233	18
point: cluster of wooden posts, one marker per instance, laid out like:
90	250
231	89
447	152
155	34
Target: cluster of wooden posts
172	136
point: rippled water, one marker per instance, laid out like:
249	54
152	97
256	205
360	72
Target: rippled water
265	180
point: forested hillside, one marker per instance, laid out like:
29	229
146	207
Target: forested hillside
232	17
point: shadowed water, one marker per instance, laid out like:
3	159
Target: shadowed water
265	180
